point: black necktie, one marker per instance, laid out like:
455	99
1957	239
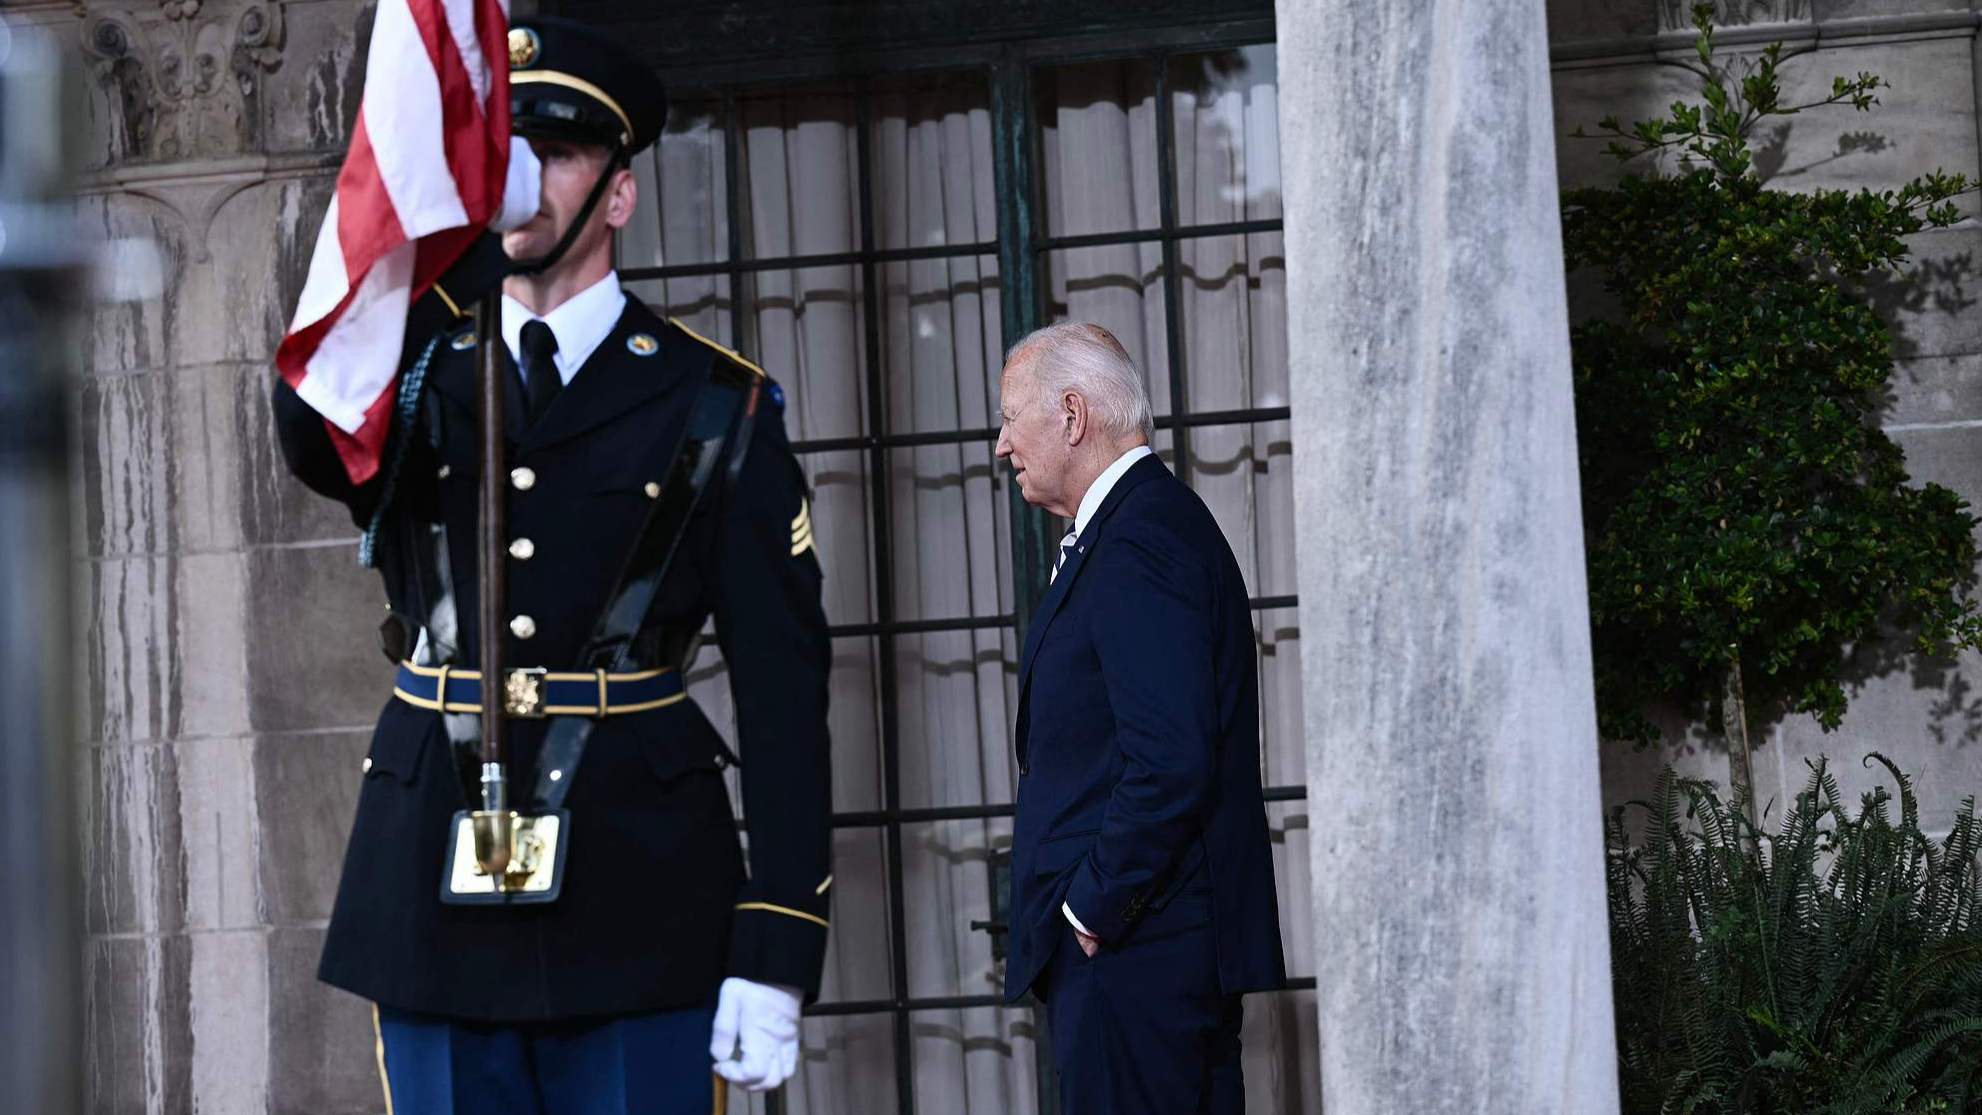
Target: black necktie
540	379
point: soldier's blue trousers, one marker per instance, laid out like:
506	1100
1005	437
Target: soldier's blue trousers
652	1064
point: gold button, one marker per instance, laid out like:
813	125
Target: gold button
367	768
653	489
523	627
522	549
523	479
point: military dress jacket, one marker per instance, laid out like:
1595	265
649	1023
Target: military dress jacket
656	907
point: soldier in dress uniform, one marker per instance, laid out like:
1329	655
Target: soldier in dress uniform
662	955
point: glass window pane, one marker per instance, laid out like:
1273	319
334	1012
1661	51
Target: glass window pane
683	216
801	183
980	1061
1225	111
843	532
846	1065
942	343
701	302
956	701
1097	146
804	327
857	953
1233	303
930	144
1282	754
947	869
951	531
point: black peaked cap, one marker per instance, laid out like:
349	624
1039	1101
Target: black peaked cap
572	82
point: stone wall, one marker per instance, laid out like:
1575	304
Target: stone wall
1926	716
225	629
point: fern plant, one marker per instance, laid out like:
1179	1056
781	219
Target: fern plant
1833	967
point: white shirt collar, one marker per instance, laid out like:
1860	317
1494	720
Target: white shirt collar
580	324
1103	484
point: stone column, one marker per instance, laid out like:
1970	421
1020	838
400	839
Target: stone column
1460	938
223	639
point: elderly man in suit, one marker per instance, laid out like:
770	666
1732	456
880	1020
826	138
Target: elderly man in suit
1142	895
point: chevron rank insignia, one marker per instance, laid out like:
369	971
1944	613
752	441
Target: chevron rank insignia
801	529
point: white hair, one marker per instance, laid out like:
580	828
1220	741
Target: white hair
1086	360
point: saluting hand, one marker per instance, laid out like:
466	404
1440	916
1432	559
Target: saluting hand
755	1043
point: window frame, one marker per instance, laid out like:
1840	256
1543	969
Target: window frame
1022	250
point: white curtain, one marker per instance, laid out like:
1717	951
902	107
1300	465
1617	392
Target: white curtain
946	515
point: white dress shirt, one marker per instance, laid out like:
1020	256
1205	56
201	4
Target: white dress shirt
580	324
1089	504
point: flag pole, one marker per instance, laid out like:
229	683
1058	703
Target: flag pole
493	824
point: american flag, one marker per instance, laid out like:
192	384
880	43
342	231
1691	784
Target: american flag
424	175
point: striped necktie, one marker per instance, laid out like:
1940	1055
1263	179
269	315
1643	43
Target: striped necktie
1066	544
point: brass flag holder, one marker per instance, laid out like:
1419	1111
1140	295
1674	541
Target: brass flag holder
497	854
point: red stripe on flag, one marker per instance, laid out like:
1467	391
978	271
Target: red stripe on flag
435	254
469	153
492	34
367	224
292	356
361	452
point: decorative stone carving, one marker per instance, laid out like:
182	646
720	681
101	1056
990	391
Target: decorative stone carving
179	80
1677	15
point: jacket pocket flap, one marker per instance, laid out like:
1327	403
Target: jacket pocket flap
670	761
1057	853
400	743
680	740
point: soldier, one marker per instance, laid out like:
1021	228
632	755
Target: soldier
659	952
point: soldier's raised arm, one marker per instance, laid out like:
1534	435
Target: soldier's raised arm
307	445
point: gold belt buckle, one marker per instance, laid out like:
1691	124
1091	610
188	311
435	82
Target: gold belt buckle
523	692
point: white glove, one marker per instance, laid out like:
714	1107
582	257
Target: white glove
522	191
763	1017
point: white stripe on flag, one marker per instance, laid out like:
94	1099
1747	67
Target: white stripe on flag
409	141
359	356
327	281
461	24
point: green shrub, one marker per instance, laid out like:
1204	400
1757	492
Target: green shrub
1748	524
1832	968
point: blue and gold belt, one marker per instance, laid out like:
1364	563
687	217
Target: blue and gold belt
537	693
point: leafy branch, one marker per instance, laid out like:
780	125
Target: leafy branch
1716	133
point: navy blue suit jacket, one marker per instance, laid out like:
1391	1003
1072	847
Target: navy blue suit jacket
1138	740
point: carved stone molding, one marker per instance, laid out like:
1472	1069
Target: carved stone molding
193	193
178	80
1677	15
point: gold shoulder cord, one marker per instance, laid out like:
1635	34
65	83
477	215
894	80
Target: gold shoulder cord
787	911
724	349
456	310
